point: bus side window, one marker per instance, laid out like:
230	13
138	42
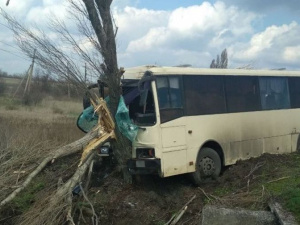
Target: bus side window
175	93
294	88
241	94
169	97
274	93
163	92
169	93
204	95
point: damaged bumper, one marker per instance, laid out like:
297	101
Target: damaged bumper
143	166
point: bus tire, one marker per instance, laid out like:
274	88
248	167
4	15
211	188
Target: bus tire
208	166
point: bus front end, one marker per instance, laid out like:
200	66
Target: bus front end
144	113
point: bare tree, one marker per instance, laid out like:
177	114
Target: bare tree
96	26
95	23
99	15
223	63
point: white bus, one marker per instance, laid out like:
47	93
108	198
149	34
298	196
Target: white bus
199	120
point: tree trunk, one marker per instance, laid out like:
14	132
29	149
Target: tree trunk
100	17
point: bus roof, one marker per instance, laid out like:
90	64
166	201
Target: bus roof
138	72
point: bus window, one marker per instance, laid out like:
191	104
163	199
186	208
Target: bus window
294	87
163	92
242	94
204	95
274	93
169	94
175	93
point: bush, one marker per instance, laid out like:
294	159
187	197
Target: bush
11	107
32	98
3	86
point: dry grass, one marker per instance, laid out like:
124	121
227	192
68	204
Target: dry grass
24	142
12	80
46	111
27	135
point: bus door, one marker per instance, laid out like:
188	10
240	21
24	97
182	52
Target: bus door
172	123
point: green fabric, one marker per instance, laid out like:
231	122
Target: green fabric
88	119
126	127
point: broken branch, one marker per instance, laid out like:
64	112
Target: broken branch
282	178
175	218
256	167
205	193
179	216
92	140
63	151
57	208
95	217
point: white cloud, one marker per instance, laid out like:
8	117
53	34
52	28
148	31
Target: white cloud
267	39
276	45
52	2
134	23
40	15
154	39
201	28
192	35
17	8
208	17
292	54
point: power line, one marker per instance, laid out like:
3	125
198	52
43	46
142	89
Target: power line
14	54
4	25
10	45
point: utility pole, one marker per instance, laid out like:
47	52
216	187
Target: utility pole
68	80
85	73
29	75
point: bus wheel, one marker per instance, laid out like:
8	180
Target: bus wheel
208	166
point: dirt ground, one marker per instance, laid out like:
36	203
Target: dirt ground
153	201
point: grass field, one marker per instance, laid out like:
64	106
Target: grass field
12	81
28	134
48	108
11	84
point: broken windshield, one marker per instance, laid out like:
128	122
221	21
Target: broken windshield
140	103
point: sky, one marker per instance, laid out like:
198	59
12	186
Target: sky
262	34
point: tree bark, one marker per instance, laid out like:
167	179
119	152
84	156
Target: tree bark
103	27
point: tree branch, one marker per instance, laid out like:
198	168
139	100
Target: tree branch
63	151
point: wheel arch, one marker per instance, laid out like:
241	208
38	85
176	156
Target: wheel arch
215	146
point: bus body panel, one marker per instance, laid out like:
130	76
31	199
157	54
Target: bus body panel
245	135
174	146
241	135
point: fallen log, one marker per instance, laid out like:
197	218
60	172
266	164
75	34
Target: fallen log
66	150
57	208
92	140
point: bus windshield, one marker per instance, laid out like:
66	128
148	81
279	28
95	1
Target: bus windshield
140	104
